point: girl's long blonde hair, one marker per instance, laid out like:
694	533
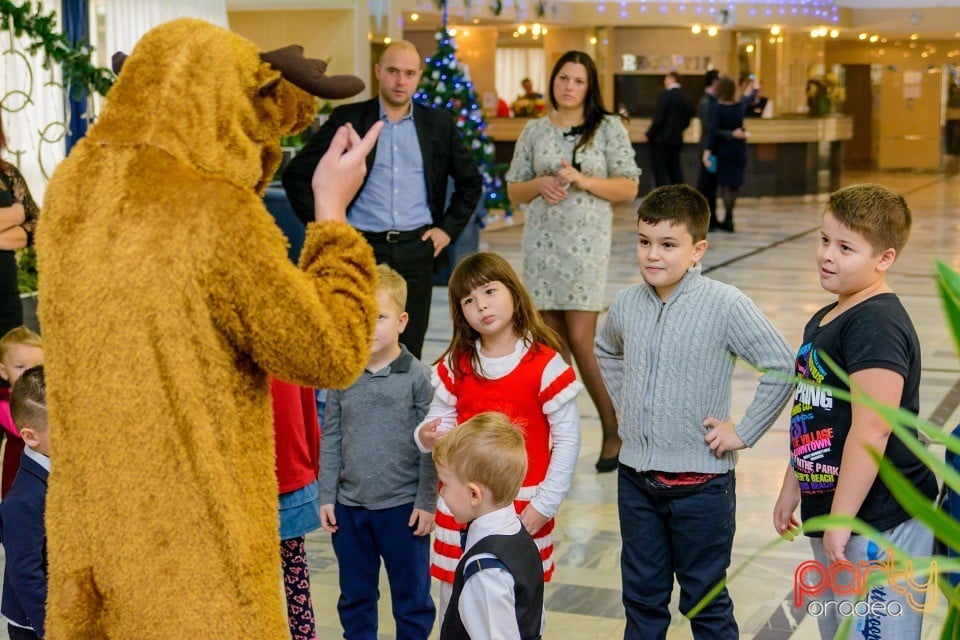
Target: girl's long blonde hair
475	271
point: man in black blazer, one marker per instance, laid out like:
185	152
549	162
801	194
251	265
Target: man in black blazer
400	207
665	135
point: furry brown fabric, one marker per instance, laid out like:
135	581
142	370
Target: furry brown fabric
167	297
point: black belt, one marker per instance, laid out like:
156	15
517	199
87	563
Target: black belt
393	236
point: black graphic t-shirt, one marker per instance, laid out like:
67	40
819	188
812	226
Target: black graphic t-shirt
875	334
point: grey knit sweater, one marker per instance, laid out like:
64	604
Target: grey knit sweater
669	365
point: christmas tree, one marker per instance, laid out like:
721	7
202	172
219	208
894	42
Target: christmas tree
445	85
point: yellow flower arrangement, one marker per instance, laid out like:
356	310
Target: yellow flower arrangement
824	93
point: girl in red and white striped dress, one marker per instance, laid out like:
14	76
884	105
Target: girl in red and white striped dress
504	358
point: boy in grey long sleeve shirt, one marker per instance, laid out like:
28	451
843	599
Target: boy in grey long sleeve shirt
378	493
667	352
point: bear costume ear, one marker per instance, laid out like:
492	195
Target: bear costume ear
308	74
117	60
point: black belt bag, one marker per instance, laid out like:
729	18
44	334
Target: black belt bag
651	485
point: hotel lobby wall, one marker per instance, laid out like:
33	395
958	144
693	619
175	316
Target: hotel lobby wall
655	51
337	35
909	98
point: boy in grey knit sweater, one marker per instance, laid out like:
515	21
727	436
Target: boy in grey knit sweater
378	493
667	352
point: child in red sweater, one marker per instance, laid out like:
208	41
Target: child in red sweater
298	463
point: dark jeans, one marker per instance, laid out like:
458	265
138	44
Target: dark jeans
690	537
665	159
707	186
364	536
412	259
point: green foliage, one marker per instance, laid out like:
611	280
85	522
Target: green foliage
79	73
27	270
445	85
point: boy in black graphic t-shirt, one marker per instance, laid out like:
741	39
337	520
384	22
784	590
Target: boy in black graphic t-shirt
869	335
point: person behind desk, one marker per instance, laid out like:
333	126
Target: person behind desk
529	103
753	102
399	208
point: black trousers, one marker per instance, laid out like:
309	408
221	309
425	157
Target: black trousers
412	258
19	633
707	186
665	159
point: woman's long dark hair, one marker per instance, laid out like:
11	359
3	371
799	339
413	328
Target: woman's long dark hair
593	109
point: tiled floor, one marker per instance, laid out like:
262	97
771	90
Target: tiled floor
771	257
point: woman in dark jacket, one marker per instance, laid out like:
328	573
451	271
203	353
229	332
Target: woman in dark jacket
730	152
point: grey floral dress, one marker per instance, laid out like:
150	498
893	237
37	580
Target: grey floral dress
566	246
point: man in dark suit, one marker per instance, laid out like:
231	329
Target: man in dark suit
400	207
665	135
21	514
707	181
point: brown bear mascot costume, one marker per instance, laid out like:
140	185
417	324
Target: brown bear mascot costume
167	299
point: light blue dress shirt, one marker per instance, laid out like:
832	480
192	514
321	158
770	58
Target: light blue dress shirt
395	194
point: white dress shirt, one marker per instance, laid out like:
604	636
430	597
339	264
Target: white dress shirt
487	603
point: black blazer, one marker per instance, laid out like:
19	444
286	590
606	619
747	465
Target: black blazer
672	117
441	145
24	540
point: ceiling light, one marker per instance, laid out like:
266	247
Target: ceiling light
388	39
414	16
874	38
593	39
775	30
522	29
834	33
712	31
862	36
749	48
914	36
695	29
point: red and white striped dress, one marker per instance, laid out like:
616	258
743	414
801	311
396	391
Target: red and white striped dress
534	388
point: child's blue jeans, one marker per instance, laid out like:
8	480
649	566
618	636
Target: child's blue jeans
364	536
674	532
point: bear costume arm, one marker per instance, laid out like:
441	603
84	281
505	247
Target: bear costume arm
311	326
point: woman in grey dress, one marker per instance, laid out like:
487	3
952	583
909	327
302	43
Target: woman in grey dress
569	167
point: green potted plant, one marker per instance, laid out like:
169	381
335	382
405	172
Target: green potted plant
27	281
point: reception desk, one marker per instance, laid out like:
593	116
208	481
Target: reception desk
785	156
